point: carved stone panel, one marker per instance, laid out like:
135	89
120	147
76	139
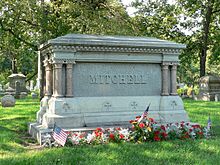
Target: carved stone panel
108	79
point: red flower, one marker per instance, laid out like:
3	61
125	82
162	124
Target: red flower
196	126
200	133
121	136
131	121
118	128
156	133
141	125
151	120
112	136
164	134
163	127
156	138
98	129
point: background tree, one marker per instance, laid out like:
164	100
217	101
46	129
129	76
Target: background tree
204	17
25	24
194	23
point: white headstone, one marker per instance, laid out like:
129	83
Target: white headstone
32	85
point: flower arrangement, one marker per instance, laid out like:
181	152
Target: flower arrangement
142	130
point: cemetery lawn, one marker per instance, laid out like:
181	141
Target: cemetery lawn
16	146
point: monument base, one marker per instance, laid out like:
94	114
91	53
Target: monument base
80	113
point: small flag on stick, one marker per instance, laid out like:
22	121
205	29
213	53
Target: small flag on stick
144	114
59	135
209	124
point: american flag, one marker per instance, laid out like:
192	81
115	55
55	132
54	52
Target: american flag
144	114
59	135
209	124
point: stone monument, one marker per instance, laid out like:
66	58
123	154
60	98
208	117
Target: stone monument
16	84
209	88
95	81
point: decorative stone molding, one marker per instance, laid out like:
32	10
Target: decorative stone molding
92	48
63	61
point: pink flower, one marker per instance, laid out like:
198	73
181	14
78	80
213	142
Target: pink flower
141	125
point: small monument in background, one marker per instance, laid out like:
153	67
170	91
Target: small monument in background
17	85
209	88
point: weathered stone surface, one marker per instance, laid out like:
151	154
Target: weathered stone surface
8	101
106	81
209	88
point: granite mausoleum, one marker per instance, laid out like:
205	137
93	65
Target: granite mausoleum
107	80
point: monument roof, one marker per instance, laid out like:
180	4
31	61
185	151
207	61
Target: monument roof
210	78
121	41
17	75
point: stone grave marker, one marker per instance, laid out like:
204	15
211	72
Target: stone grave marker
209	88
8	101
95	81
17	85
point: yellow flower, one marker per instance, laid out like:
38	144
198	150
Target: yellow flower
149	129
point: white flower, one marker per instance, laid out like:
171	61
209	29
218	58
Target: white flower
90	137
125	132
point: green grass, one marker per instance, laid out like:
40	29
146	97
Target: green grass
14	148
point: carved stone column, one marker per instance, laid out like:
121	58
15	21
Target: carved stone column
69	80
173	80
165	68
48	77
58	80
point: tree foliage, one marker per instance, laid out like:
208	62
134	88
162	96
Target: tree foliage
25	24
195	23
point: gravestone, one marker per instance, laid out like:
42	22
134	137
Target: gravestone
1	90
16	85
8	101
95	81
31	85
209	88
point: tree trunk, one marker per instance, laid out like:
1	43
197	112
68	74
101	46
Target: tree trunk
14	67
205	37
